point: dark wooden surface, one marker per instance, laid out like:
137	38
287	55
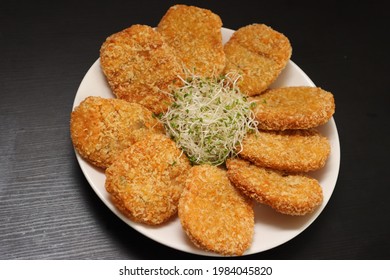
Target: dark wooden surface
49	211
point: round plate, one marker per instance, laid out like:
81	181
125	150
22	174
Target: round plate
271	228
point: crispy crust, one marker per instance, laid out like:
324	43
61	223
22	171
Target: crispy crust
259	54
290	150
215	215
140	67
195	35
101	128
289	194
147	179
293	108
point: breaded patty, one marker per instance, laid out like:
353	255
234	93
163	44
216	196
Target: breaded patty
140	67
147	179
293	108
289	150
215	215
290	194
101	128
195	35
259	54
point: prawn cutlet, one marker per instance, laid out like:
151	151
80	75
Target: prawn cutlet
300	107
289	150
290	194
259	54
101	128
140	67
195	35
146	180
214	214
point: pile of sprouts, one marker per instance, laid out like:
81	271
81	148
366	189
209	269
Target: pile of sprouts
209	118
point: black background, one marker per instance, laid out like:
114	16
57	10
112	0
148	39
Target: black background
49	211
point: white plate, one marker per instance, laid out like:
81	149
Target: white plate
271	228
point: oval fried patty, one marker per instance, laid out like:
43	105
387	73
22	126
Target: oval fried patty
289	150
215	216
147	179
293	108
286	193
101	128
140	67
195	36
259	54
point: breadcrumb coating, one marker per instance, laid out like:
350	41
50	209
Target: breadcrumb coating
147	179
293	108
289	150
215	216
259	54
140	67
290	194
195	36
102	128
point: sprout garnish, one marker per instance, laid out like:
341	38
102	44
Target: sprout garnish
209	118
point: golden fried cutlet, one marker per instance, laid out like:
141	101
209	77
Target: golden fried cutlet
215	216
259	54
289	194
101	128
289	150
147	179
140	67
293	108
195	35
